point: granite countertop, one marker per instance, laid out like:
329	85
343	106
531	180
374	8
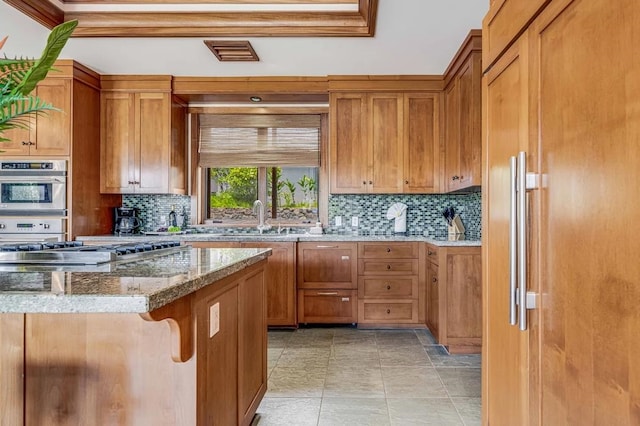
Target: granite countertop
435	240
125	287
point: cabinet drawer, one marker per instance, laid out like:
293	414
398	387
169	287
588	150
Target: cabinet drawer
432	253
388	288
388	250
327	265
327	306
387	267
374	311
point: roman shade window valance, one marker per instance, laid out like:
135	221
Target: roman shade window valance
248	140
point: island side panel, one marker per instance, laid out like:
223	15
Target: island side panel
11	369
252	345
107	369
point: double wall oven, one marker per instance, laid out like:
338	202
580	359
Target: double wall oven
33	200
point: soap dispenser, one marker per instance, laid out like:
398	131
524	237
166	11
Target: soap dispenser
173	218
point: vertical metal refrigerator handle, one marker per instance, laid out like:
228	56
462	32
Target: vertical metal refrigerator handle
513	249
522	238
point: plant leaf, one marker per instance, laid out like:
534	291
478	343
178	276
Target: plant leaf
55	43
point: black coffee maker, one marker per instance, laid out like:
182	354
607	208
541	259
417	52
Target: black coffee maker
126	221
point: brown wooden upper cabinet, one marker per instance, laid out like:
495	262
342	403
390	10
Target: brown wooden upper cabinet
384	143
143	138
462	117
50	133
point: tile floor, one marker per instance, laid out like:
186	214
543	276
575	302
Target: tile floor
346	376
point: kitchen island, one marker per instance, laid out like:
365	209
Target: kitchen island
176	339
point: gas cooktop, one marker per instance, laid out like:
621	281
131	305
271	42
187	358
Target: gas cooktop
75	253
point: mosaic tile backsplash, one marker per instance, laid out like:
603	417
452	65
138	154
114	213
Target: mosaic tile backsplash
424	213
155	207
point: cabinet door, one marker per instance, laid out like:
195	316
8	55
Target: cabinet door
18	140
252	345
463	299
348	148
452	134
53	129
281	283
151	165
117	128
327	266
433	302
470	143
505	377
421	143
503	22
385	136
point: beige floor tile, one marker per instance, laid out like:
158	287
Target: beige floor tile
288	411
412	382
296	382
354	412
353	381
469	409
304	357
410	356
461	381
424	411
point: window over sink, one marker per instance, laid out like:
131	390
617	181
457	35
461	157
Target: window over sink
271	158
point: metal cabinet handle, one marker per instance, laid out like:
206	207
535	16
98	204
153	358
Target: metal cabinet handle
388	287
326	246
388	250
429	253
406	182
327	293
388	267
513	250
25	143
388	311
364	182
370	182
522	237
434	280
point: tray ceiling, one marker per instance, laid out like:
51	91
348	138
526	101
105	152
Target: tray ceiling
193	18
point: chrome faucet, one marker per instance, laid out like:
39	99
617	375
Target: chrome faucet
258	209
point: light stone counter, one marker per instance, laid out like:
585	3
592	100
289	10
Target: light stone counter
124	287
438	241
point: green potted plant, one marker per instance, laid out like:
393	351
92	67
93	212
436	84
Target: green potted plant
19	76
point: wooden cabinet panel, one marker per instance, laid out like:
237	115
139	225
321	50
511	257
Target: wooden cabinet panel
143	141
387	267
502	24
385	135
433	299
151	164
388	250
349	145
463	143
390	283
384	143
49	134
388	287
327	306
454	298
330	265
281	283
12	369
117	152
252	345
392	311
422	147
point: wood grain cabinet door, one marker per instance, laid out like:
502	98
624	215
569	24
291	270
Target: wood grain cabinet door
117	146
421	143
151	164
53	130
349	148
385	134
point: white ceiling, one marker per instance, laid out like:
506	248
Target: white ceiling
412	37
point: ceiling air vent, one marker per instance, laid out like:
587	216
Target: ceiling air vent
232	50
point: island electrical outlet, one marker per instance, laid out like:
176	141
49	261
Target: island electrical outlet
214	319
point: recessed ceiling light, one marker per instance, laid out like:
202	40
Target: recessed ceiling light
255	99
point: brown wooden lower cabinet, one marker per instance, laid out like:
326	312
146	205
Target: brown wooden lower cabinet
328	306
280	278
327	283
454	297
118	369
